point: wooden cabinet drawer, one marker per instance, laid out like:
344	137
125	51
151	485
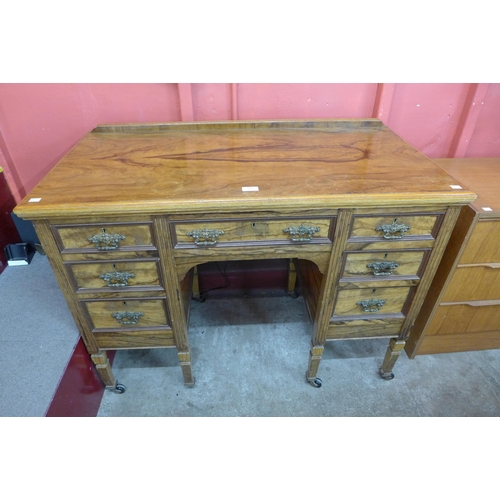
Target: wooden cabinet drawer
483	244
395	227
103	237
474	283
246	232
371	301
380	264
465	318
116	276
129	313
125	339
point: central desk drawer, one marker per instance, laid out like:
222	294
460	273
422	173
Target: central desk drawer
247	232
130	313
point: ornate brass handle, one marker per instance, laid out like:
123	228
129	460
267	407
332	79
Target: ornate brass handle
301	233
117	278
394	230
371	305
106	241
204	237
127	318
383	268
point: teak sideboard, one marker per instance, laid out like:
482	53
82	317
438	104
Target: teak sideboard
128	213
462	309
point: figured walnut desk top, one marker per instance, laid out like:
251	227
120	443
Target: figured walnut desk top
202	168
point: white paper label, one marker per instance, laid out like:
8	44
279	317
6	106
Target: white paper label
34	200
487	209
250	188
455	186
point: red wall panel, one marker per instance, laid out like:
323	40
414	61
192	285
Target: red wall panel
301	100
426	115
39	123
485	139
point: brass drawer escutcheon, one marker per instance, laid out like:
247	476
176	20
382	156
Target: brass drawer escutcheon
127	318
117	278
383	268
205	237
106	241
301	233
371	305
394	230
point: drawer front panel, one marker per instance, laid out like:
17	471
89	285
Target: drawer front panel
474	283
364	328
371	302
465	318
251	231
484	243
104	237
131	314
116	276
380	264
394	227
135	339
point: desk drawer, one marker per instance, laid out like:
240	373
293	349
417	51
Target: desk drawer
116	276
104	237
380	264
395	227
127	314
474	283
371	302
125	339
247	232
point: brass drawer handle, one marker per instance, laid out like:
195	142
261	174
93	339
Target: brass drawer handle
117	278
394	230
204	237
106	241
371	305
127	318
383	268
301	233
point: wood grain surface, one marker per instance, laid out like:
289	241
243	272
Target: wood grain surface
203	168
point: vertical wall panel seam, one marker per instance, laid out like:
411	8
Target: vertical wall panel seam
234	101
10	170
186	101
383	101
468	120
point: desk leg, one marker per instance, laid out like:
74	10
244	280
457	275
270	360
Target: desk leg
185	361
101	362
391	356
314	359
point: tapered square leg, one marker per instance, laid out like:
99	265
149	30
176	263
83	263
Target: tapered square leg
314	359
393	351
185	361
101	362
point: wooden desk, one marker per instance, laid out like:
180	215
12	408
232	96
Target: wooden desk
129	212
462	309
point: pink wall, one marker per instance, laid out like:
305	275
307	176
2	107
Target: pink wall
39	123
